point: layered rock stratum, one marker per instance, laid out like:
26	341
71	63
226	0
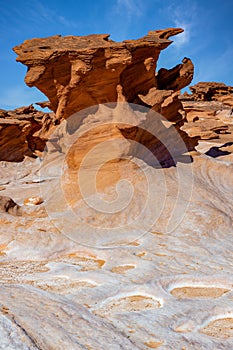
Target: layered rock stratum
24	132
116	208
77	72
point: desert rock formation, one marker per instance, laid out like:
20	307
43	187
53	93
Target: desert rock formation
23	132
119	234
211	91
209	112
78	72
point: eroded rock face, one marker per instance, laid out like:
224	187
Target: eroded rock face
7	205
78	72
176	78
118	283
23	132
209	111
211	91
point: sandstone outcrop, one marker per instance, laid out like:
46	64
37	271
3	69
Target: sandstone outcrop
7	205
23	132
212	91
209	111
79	72
111	250
176	78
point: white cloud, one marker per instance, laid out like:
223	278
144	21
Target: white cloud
183	16
123	14
130	8
184	37
39	13
66	22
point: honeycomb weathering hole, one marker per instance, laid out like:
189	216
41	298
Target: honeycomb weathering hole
129	303
220	328
122	268
153	344
198	292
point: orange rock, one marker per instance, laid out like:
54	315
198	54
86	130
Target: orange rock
33	201
210	91
23	132
77	72
176	78
209	112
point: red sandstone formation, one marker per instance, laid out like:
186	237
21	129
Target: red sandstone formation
211	91
176	78
79	72
23	131
209	111
148	291
76	72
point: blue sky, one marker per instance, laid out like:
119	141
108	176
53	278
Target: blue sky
207	39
